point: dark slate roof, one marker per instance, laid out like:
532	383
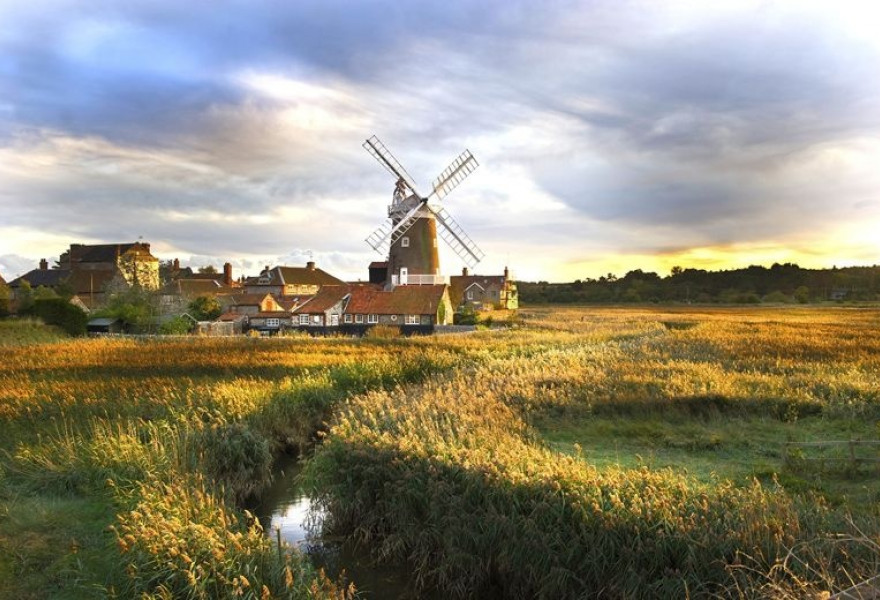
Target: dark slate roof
378	264
44	277
107	252
325	299
305	276
402	300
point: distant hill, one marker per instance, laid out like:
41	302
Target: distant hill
778	283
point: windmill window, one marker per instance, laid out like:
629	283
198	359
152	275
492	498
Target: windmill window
316	319
359	318
347	318
372	318
404	242
304	319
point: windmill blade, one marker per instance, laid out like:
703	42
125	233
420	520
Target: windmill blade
388	233
387	160
454	174
458	240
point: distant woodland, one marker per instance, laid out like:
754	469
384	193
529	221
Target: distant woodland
781	283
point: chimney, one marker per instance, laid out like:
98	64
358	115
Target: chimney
227	274
506	273
44	264
176	264
464	272
310	265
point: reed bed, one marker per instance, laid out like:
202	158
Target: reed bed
453	477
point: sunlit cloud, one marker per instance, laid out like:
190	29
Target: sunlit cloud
611	136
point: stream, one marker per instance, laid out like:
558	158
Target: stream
285	507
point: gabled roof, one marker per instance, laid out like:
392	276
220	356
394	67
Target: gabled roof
327	297
305	276
379	264
195	287
401	300
249	299
44	277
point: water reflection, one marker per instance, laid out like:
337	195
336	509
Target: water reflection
286	508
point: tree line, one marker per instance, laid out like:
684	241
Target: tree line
780	283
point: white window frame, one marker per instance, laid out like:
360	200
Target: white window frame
273	322
359	318
316	319
304	319
404	242
372	319
470	294
412	319
347	318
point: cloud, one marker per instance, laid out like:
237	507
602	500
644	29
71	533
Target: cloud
602	128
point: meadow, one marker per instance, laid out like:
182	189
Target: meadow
615	452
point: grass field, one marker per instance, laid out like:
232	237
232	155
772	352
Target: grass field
623	452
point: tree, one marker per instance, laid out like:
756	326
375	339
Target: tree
24	297
802	294
5	295
134	306
208	270
205	308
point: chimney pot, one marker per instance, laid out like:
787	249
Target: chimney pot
44	264
464	271
506	273
310	265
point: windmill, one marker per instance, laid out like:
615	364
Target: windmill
409	235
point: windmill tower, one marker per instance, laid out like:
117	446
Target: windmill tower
409	235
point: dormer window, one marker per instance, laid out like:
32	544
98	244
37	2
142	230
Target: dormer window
404	242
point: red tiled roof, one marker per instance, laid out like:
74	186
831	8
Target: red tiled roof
402	300
326	298
232	317
248	299
378	264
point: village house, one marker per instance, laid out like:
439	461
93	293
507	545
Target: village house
291	281
483	291
87	271
413	308
180	291
324	309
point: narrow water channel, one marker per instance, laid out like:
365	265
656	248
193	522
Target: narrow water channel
285	507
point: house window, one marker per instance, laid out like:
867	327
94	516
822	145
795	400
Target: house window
347	318
393	317
273	322
412	319
404	242
470	295
372	318
359	318
304	319
316	319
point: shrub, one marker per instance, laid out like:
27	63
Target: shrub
60	312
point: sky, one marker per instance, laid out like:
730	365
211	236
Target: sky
611	135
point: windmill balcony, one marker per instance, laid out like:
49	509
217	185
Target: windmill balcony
419	280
